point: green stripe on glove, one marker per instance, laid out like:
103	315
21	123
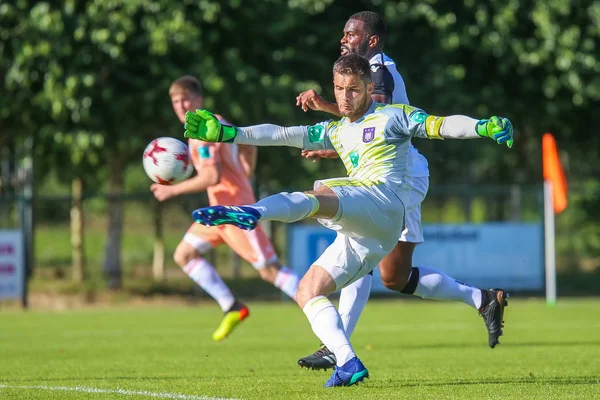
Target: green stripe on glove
497	128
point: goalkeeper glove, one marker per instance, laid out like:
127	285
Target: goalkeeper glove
203	125
497	128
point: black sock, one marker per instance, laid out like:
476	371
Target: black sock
485	297
412	283
237	306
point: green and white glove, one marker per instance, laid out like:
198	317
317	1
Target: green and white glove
497	128
203	125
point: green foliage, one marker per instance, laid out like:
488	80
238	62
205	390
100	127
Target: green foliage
92	76
531	60
90	79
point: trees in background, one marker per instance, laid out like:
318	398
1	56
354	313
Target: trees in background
535	61
89	81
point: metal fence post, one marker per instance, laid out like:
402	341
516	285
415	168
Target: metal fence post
27	216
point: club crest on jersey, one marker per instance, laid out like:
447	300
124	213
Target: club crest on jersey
316	134
419	116
354	157
368	134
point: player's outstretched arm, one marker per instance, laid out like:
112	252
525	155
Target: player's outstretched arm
462	127
417	123
203	125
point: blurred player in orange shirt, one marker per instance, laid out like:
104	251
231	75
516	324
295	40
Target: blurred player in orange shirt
224	171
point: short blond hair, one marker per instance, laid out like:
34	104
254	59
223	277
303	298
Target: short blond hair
186	84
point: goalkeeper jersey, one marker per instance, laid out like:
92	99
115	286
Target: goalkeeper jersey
375	148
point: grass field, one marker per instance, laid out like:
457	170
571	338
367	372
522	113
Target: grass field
413	349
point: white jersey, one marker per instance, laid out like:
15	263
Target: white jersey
417	165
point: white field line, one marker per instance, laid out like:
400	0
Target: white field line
124	392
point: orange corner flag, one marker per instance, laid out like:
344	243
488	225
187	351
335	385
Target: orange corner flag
554	173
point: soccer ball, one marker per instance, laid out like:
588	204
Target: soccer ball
166	161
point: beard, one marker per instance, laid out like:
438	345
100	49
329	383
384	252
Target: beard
357	111
362	49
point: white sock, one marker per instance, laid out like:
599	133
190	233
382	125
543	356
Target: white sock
209	280
287	281
434	284
353	299
287	207
327	325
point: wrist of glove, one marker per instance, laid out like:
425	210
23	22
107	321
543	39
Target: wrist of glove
497	128
228	133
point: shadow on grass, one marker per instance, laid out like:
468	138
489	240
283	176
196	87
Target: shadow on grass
114	378
528	380
552	343
242	288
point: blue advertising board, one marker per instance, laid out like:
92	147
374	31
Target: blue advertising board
12	268
507	255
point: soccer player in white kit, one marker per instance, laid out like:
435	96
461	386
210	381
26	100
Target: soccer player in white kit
364	34
364	208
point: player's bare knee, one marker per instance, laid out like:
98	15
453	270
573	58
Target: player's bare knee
395	268
316	282
394	275
269	271
267	274
305	293
308	289
393	284
301	295
181	259
183	254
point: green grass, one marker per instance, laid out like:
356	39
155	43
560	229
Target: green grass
413	349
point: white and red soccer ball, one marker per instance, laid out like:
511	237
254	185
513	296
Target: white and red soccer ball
166	161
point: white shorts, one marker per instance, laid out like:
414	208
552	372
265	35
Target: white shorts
367	227
412	197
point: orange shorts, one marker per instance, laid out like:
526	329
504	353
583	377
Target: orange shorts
253	246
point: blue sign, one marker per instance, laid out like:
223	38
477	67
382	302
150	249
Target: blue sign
507	255
12	268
